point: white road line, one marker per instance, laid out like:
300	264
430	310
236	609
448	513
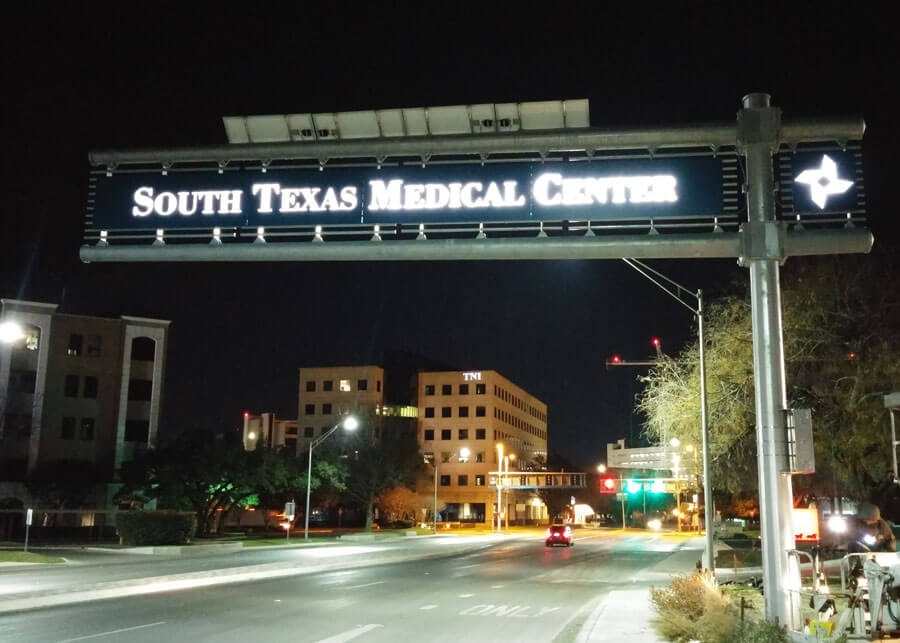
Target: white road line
125	629
466	595
467	566
350	634
378	582
428	607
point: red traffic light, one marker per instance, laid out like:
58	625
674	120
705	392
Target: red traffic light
608	484
615	359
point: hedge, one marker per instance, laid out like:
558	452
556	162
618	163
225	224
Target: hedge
156	527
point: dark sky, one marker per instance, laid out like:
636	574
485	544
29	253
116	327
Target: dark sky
150	74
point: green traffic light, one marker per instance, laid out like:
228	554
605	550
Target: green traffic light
633	486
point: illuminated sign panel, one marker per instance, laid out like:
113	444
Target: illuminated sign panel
821	182
246	197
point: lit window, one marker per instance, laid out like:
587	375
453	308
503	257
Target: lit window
463	458
480	389
479	481
344	385
479	457
32	338
429	458
76	343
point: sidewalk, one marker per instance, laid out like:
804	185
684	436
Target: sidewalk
627	615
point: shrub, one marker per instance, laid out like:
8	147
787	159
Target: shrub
156	527
694	608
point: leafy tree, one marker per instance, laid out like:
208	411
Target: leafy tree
213	476
841	319
398	503
557	501
375	467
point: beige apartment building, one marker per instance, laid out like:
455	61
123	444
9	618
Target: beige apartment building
78	388
465	419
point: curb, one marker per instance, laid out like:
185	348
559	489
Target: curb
250	573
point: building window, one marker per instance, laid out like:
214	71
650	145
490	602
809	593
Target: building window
464	434
326	409
32	338
328	385
464	411
463	458
479	457
140	390
344	386
479	434
378	386
94	345
137	431
445	481
308	431
479	480
446	411
463	389
324	430
22	381
429	434
68	428
87	429
428	457
309	409
143	349
290	445
462	481
429	411
480	411
445	456
90	386
311	386
429	389
362	385
447	389
71	388
480	389
76	344
445	434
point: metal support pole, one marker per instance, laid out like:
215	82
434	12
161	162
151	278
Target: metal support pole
708	504
624	497
759	124
308	480
434	513
499	500
894	442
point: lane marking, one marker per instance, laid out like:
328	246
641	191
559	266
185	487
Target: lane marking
428	607
468	566
350	634
124	629
378	582
497	586
466	595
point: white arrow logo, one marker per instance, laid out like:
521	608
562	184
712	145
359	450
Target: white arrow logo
823	182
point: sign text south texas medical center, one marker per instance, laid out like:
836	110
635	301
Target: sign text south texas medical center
437	193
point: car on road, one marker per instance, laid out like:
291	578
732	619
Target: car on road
559	535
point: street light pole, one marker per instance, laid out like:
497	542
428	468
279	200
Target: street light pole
349	423
499	485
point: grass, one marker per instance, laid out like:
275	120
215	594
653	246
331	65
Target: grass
27	557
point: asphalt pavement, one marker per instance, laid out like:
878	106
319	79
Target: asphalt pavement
512	589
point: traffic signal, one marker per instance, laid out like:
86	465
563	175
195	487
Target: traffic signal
615	359
632	486
608	484
655	341
658	486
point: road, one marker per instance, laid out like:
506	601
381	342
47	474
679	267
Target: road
515	591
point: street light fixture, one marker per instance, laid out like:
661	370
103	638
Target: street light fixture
349	423
601	468
464	454
11	332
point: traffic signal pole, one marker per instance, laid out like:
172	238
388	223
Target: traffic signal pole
758	130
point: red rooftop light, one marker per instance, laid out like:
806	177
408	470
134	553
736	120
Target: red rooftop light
655	341
246	414
616	359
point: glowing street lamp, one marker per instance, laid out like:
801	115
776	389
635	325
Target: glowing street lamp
349	423
11	332
601	468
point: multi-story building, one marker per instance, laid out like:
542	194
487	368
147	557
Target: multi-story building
330	392
267	429
465	419
78	388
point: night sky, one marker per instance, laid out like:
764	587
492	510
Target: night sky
152	74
